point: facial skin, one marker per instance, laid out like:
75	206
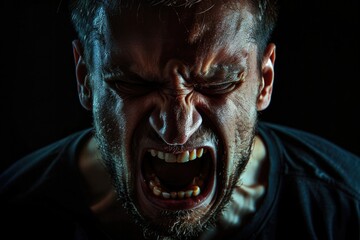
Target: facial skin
170	81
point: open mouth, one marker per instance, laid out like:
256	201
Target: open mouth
182	180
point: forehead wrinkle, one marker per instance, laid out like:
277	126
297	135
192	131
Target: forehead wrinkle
207	36
137	58
209	11
225	41
147	59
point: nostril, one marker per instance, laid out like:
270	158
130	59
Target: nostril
175	125
167	128
157	121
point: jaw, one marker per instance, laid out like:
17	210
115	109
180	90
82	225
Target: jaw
167	183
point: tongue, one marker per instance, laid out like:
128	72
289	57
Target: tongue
176	176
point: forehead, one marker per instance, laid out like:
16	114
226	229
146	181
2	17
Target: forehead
195	35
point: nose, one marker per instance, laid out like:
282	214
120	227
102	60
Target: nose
175	121
175	117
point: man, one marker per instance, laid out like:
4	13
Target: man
176	151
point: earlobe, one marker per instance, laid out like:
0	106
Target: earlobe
267	78
83	86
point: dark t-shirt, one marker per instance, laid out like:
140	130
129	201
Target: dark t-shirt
313	192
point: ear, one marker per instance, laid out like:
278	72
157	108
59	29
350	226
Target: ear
82	76
267	79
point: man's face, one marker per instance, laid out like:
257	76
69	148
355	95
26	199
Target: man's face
175	103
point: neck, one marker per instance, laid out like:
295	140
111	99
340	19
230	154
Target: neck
101	195
250	189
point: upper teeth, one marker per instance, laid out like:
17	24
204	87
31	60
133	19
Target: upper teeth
178	158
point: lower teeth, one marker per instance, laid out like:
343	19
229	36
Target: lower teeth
191	191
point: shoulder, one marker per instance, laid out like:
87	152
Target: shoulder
42	191
314	181
36	168
293	137
308	156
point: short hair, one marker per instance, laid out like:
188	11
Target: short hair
85	12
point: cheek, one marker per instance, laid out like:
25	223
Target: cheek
237	120
234	116
234	119
121	116
237	108
108	112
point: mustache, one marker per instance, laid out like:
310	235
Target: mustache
201	136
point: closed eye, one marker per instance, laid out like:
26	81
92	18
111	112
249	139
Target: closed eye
220	83
129	84
133	88
216	89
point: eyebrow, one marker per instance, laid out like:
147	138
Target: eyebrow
121	73
117	72
229	71
110	73
114	68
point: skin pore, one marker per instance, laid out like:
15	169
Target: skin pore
167	82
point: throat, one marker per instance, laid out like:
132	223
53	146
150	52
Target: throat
114	219
95	179
101	196
250	191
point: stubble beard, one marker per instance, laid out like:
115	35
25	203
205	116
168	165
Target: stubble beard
184	224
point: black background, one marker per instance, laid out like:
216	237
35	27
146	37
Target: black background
316	84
